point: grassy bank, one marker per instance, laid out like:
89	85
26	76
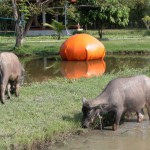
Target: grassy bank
44	110
114	41
128	45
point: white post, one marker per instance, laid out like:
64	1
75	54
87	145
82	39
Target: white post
43	17
66	22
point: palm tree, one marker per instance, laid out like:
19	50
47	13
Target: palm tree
57	26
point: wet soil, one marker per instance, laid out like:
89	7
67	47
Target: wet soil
129	136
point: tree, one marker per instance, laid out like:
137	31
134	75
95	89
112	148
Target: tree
5	7
57	26
138	9
18	26
146	21
6	19
73	14
103	11
23	13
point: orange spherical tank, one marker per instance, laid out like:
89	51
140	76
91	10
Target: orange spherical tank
82	47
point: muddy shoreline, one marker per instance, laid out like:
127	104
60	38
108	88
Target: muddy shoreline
129	133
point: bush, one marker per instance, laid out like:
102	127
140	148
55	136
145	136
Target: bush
147	33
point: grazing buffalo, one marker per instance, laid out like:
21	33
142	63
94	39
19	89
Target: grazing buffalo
11	73
120	95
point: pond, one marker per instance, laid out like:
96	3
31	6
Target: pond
42	69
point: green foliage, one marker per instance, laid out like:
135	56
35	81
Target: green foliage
147	33
146	21
57	26
34	9
104	12
24	9
5	8
73	14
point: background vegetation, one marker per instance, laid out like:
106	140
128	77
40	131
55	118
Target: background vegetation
114	41
90	14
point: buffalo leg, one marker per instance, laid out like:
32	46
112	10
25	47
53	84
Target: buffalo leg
8	90
148	110
3	87
117	120
2	94
17	89
140	116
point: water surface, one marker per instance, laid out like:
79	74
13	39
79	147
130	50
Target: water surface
42	69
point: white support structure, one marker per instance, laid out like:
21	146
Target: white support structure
44	17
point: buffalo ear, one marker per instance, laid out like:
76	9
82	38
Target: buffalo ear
84	100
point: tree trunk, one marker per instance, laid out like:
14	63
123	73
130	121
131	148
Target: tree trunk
28	25
58	36
18	25
19	34
100	30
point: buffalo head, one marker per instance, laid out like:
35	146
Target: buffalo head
91	112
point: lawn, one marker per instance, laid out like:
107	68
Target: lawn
113	40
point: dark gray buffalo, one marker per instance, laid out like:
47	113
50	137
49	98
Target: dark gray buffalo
120	95
11	72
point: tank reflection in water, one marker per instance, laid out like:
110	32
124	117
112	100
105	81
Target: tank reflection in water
78	69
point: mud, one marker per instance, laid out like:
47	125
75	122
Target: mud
129	136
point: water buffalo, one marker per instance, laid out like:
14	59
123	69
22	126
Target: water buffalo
11	72
120	95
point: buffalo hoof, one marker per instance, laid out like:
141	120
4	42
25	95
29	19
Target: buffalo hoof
141	117
114	127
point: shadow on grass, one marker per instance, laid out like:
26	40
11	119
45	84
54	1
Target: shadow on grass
6	47
76	118
4	44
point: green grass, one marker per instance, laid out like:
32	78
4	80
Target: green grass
45	110
127	45
113	40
